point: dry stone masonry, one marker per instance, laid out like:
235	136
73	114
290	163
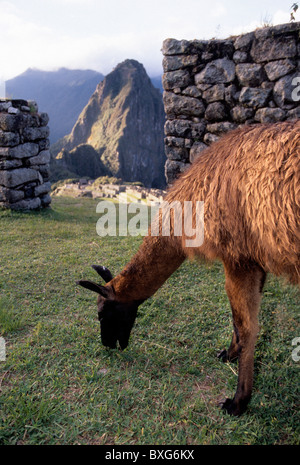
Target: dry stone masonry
211	87
24	156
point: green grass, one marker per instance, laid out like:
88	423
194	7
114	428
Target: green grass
59	385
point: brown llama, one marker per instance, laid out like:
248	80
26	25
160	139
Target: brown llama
250	184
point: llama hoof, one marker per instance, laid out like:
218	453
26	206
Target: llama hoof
223	356
231	407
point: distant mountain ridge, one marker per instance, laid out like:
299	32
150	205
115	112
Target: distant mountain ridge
62	94
123	123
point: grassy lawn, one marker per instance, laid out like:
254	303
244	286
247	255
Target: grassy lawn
59	385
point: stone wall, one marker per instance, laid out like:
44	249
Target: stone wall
24	156
211	87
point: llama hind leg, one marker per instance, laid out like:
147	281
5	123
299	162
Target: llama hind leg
243	286
232	353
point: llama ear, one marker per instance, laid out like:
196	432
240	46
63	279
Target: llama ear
103	272
102	290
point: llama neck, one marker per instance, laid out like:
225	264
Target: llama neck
152	265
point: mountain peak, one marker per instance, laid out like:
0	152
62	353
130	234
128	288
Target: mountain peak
123	121
130	65
130	62
125	76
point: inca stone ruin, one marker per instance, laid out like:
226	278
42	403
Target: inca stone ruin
24	156
211	87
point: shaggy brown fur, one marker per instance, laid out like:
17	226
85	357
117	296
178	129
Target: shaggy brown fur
250	184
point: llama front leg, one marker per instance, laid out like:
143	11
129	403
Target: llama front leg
243	286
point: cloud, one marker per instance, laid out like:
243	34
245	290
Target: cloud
21	39
218	10
34	44
98	34
75	2
246	28
281	17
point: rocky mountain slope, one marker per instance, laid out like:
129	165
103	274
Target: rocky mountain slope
124	123
62	94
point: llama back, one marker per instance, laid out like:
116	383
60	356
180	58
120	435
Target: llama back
250	184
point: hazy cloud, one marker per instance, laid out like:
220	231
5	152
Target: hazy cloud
218	10
98	34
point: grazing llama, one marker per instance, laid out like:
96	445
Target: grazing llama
250	184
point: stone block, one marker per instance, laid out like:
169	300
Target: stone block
250	74
44	144
294	113
240	113
10	164
45	171
214	93
254	97
175	47
279	68
221	128
26	204
177	153
12	123
179	78
33	134
244	41
192	91
26	150
283	92
42	189
273	48
269	115
182	105
240	57
210	138
41	159
15	195
17	177
9	139
178	127
196	150
215	111
174	168
44	119
46	200
218	71
172	63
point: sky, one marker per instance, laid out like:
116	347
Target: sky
99	34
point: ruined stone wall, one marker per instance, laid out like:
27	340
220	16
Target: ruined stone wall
211	87
24	156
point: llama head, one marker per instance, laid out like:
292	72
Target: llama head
116	318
